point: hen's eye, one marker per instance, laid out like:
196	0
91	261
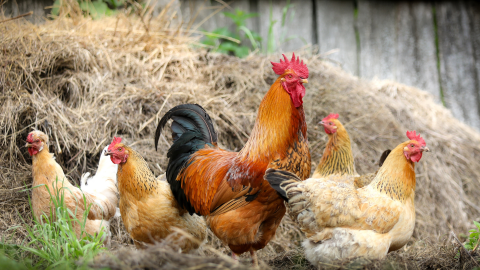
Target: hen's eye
290	76
330	123
119	149
411	145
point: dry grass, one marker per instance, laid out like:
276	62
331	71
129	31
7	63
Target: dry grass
83	82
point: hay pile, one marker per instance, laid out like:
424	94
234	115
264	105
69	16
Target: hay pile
83	82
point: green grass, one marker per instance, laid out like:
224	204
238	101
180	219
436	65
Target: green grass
52	242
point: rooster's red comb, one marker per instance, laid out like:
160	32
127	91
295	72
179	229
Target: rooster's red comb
299	67
412	135
331	116
114	142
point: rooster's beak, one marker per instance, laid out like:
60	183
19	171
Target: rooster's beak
108	153
425	149
304	81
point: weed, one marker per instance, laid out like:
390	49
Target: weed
473	239
233	44
52	242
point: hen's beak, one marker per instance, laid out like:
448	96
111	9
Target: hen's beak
425	149
108	153
304	81
321	123
28	145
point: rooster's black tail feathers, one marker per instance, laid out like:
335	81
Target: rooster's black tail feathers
188	117
192	129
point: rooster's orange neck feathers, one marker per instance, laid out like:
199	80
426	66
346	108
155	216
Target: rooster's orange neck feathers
396	177
276	128
337	157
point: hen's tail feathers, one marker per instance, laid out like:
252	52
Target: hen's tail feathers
291	188
383	157
192	129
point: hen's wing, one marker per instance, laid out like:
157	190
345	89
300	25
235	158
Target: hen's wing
317	204
100	206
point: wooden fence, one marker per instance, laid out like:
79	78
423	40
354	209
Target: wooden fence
431	45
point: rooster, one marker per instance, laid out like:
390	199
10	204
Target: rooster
47	173
242	210
341	221
147	206
337	159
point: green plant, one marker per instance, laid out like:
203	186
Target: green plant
271	37
225	41
96	9
473	239
52	242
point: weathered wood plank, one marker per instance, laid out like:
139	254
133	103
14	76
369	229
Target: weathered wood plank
397	42
199	14
15	8
376	28
335	30
458	69
474	14
416	58
298	30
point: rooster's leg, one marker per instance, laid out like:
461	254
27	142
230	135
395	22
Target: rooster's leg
254	257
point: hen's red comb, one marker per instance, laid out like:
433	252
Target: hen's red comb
412	135
331	116
30	137
299	67
114	142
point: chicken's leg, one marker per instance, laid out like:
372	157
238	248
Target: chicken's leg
254	258
234	256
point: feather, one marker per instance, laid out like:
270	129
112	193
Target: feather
383	157
278	179
192	129
190	117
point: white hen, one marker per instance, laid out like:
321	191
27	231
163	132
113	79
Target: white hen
102	182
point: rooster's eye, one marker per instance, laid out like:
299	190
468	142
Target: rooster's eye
290	76
330	123
120	149
411	145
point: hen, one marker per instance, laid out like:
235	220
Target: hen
337	159
48	174
228	187
103	182
341	221
147	206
